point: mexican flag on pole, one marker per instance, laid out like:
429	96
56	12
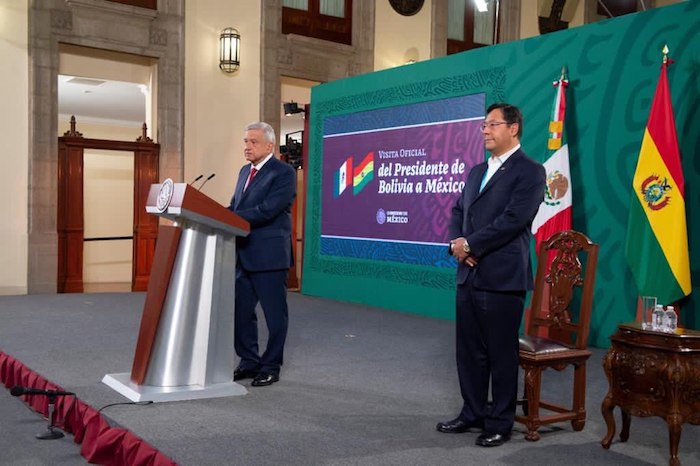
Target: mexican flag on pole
554	214
657	239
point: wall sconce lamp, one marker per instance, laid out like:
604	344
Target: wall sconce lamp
291	108
229	50
481	6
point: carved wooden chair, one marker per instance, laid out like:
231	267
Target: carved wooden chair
573	266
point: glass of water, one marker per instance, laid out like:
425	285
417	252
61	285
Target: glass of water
648	305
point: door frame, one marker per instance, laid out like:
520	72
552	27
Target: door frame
70	216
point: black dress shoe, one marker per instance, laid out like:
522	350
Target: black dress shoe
263	379
240	374
458	426
489	439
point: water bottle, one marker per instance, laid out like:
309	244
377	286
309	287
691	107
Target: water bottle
657	318
670	320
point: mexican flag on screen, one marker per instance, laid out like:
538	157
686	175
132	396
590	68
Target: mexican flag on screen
656	246
342	178
554	214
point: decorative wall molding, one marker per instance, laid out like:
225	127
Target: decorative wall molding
303	57
108	26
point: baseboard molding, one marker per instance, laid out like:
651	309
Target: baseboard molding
12	290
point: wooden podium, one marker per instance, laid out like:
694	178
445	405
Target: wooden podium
185	345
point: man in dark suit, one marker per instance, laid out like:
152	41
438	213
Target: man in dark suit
264	194
490	227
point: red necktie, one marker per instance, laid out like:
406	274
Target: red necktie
253	171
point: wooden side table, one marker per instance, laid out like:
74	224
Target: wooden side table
653	374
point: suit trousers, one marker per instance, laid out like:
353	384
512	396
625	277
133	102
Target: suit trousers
487	326
269	288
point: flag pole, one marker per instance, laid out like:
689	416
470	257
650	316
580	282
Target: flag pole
676	304
660	139
640	308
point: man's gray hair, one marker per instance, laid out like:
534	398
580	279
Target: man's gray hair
267	130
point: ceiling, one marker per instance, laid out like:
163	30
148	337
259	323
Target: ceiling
102	101
119	103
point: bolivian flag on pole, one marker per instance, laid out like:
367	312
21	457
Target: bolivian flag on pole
657	238
554	214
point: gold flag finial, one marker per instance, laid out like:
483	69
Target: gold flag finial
665	52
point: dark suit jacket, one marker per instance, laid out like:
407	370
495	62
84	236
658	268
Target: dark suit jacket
267	206
496	223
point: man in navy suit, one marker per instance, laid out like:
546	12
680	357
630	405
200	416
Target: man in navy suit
490	231
264	194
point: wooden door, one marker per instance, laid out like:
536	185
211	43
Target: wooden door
70	215
70	221
145	224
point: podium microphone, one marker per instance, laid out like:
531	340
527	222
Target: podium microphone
197	179
18	390
205	181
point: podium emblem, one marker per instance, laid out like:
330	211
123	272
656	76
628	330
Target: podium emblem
165	194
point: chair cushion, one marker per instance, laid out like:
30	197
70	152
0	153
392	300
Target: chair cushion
539	345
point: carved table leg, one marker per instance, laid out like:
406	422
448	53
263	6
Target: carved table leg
626	421
607	411
674	422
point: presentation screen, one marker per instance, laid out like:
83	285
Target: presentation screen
392	175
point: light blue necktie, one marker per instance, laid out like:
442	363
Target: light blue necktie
483	179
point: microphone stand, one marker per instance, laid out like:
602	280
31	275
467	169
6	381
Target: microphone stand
50	433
